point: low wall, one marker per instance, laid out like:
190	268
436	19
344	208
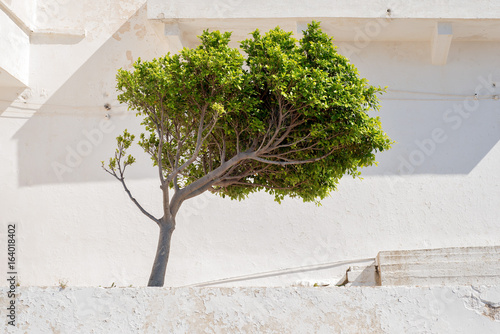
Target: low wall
461	309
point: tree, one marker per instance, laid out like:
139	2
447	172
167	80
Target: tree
288	117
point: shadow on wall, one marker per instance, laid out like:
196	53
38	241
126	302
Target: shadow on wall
439	125
10	89
69	136
288	271
8	95
437	138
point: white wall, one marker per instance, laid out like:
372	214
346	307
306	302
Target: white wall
75	223
14	62
25	10
257	310
159	9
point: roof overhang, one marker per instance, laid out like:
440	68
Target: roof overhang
356	21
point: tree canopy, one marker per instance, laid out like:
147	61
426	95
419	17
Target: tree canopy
285	116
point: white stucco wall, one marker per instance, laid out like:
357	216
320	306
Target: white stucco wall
14	61
438	186
257	310
160	9
25	10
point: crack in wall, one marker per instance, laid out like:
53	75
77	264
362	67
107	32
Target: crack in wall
482	305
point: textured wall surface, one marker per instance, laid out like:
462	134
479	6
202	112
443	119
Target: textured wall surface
16	60
438	187
257	310
25	9
321	8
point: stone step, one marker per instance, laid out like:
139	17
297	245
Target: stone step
410	279
458	265
443	266
448	250
441	254
362	276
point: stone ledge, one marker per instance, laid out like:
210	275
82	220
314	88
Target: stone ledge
443	266
455	309
461	9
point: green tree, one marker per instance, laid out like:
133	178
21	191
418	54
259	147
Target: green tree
290	117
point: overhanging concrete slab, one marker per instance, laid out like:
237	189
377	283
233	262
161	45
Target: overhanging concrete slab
192	9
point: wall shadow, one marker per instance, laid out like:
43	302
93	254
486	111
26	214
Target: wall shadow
69	136
10	89
437	138
7	96
430	111
281	272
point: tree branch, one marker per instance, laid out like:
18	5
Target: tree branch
199	140
295	162
150	216
205	182
256	185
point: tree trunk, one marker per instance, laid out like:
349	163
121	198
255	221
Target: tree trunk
157	277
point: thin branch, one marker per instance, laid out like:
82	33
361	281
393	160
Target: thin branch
293	124
159	130
295	162
120	177
292	144
150	216
256	185
227	179
223	153
199	140
205	182
284	154
276	132
237	140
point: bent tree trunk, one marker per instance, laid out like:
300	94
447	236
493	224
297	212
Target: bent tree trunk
157	278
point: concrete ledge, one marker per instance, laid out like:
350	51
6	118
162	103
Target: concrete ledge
15	46
255	310
440	43
481	9
362	276
444	266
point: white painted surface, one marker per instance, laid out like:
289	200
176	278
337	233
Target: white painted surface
441	42
14	59
362	276
438	187
25	10
444	266
257	310
160	9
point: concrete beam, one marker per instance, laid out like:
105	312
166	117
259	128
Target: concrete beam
68	36
16	19
173	34
15	46
301	26
441	41
227	9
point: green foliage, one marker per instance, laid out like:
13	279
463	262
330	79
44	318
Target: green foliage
290	117
118	163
